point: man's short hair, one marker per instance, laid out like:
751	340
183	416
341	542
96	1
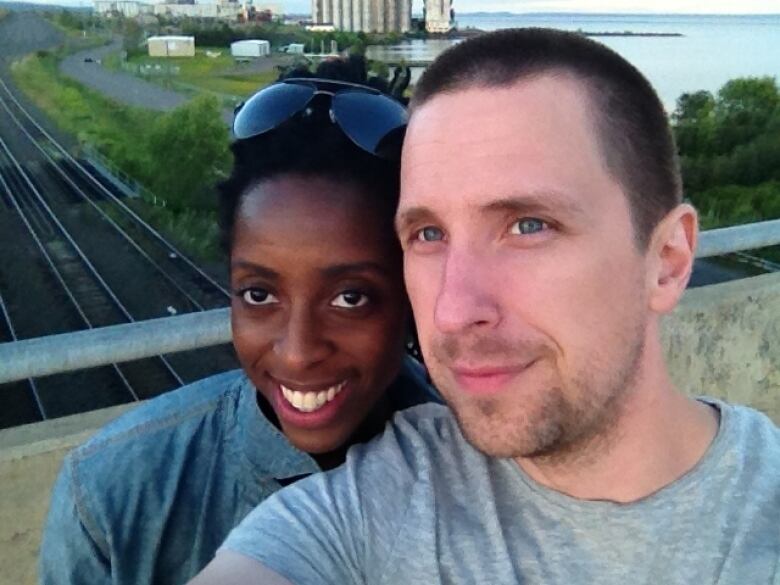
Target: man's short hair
631	124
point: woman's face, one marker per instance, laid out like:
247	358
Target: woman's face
319	308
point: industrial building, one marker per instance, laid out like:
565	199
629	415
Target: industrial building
171	46
225	9
380	16
438	16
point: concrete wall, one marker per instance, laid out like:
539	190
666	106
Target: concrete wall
30	458
722	340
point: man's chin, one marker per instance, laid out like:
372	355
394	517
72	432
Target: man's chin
496	429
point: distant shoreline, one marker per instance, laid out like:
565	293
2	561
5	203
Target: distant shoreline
470	32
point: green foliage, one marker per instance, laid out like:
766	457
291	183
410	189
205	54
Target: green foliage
694	121
735	204
743	109
117	131
132	37
178	155
188	151
195	231
76	22
729	146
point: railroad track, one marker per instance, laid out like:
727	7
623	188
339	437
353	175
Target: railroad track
81	240
90	186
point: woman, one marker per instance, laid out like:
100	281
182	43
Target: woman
319	318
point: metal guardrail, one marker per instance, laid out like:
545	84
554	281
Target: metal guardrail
84	349
738	238
67	352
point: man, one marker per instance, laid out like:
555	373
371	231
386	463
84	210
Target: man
544	238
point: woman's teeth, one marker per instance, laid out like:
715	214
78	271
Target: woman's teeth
311	401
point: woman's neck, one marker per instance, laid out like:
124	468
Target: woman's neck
368	429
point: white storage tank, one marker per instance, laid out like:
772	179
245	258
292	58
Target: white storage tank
250	49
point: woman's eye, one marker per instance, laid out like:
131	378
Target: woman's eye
528	225
258	296
429	234
350	300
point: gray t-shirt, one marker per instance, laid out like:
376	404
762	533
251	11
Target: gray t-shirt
420	505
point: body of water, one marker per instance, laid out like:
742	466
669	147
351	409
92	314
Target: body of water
712	50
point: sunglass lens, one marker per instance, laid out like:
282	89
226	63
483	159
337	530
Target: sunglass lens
370	120
269	107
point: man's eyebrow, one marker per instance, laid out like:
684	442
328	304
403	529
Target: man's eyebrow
338	270
254	269
534	202
411	216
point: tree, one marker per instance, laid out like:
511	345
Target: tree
188	152
132	36
744	107
694	122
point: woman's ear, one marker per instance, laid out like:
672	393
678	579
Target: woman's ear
670	257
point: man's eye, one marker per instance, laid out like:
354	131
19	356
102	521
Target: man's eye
528	225
429	234
350	299
258	296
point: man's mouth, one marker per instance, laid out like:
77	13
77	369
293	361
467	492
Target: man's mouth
310	401
488	379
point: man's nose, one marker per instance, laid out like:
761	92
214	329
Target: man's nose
467	296
301	342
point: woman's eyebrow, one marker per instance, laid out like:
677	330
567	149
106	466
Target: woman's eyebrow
338	270
255	269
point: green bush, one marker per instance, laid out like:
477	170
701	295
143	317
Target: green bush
729	146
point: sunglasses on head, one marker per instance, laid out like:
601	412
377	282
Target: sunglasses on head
372	120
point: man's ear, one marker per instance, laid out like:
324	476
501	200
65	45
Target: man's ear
670	257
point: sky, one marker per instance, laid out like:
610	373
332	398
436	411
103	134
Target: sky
624	6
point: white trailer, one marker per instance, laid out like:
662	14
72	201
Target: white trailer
171	46
250	49
295	48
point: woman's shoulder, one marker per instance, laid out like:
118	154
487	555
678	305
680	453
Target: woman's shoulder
175	412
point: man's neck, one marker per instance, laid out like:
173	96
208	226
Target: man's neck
658	436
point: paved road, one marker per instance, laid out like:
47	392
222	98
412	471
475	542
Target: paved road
121	87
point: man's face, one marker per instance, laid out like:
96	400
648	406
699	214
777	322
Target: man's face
527	287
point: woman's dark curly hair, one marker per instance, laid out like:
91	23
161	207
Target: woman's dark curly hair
311	146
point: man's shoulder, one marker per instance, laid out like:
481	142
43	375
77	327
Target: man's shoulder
428	423
747	424
175	412
410	442
747	449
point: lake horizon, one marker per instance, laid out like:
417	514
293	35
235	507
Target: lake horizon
712	49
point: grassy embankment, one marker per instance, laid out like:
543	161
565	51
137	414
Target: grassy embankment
120	133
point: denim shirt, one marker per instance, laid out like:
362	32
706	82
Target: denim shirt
152	495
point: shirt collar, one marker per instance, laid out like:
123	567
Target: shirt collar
269	452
